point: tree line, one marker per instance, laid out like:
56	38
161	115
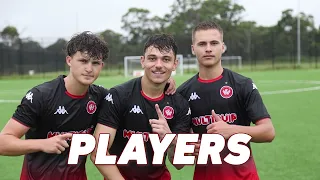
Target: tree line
243	38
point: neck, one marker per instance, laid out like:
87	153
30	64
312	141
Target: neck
151	89
74	87
207	73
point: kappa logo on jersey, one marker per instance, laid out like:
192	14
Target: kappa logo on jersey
61	110
136	109
29	96
85	131
189	112
207	119
168	112
254	86
128	133
91	107
193	96
226	92
109	98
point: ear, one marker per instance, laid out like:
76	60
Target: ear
175	64
192	49
142	59
68	60
224	48
102	64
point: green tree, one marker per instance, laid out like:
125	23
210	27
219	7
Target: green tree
9	34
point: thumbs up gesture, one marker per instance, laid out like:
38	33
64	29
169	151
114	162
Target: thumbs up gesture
160	126
220	127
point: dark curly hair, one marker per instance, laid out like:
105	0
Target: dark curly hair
163	42
90	43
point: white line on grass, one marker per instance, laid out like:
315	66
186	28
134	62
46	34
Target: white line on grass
288	82
291	91
9	101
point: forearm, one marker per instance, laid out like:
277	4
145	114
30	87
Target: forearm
109	172
13	146
259	133
170	151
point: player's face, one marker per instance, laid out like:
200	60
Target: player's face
83	68
157	65
208	47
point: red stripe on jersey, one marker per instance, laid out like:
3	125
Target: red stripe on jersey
152	99
76	96
165	175
57	174
246	171
209	80
24	171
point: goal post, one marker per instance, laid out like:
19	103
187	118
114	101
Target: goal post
231	61
132	66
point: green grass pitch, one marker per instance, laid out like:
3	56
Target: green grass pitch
291	96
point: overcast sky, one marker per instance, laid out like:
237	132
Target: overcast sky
50	19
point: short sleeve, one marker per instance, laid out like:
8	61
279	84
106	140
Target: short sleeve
103	92
183	118
111	110
254	105
182	90
30	108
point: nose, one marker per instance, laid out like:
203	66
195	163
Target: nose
158	63
208	48
88	67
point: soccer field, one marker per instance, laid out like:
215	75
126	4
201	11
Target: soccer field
291	96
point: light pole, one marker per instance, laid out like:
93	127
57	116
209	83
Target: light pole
298	36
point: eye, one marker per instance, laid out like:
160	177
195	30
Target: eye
166	59
152	58
96	63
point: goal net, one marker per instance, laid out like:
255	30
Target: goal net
232	62
132	66
190	64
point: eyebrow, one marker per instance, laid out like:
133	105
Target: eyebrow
153	55
93	60
206	41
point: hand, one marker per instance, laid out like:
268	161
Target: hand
56	144
220	127
196	148
160	126
172	86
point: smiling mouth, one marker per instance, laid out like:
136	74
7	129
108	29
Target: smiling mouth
157	72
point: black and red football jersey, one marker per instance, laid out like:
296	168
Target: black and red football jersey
236	100
49	110
128	110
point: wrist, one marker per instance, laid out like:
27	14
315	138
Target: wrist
37	145
237	129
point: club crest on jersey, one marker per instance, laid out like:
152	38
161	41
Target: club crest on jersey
168	112
226	92
91	107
